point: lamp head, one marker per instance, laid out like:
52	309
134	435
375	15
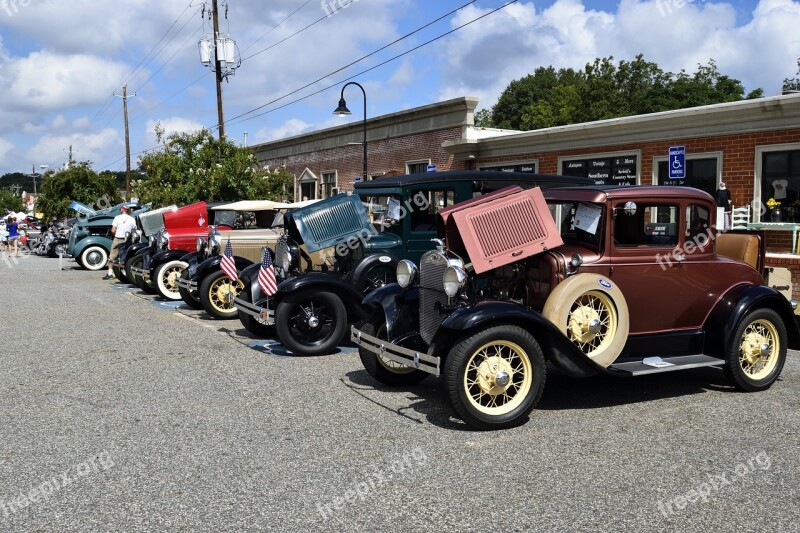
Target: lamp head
342	110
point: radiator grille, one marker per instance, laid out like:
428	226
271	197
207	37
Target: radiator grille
431	291
335	222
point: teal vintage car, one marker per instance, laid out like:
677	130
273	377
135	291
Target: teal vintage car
366	235
89	241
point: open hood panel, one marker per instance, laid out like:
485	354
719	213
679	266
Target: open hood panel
505	228
329	222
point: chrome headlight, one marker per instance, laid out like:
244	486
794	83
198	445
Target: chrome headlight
163	242
287	256
406	273
201	244
455	279
214	243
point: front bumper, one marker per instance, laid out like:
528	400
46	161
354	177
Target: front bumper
263	314
419	361
187	284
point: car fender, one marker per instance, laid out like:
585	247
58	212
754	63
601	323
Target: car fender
723	320
192	257
136	248
211	265
164	256
556	347
400	308
378	258
321	281
91	240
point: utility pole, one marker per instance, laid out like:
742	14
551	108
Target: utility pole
219	73
127	143
224	60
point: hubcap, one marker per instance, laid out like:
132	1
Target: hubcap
219	296
758	349
498	377
313	322
591	322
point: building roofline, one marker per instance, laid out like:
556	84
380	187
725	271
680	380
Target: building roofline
775	112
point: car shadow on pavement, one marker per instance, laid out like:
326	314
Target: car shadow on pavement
428	399
562	392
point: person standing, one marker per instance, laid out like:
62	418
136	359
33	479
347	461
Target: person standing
121	226
723	199
13	237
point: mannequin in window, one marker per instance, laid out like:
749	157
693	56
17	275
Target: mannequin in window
723	200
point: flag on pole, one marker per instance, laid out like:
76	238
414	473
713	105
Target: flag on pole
266	275
228	265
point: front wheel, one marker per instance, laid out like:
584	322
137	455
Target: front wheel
385	370
213	294
495	377
311	322
190	298
251	323
94	258
758	351
120	274
166	276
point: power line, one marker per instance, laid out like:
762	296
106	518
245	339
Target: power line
367	56
276	26
298	32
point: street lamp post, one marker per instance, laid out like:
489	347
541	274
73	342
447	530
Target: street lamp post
342	111
43	167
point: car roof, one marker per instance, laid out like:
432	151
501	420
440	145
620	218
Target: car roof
474	176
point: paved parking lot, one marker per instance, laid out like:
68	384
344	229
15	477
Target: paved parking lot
120	413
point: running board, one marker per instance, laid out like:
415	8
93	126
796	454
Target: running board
655	365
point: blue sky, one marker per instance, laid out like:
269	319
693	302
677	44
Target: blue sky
61	62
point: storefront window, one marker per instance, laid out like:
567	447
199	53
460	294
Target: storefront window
780	180
701	173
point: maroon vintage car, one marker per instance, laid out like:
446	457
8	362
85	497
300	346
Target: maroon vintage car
623	281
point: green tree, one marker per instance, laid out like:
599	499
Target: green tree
483	119
78	182
197	166
9	201
604	90
792	84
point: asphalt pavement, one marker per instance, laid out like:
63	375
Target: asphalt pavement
119	412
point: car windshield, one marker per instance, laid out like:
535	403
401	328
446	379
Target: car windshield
383	210
578	222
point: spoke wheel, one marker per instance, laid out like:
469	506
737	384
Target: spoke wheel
167	276
378	276
592	313
311	322
495	377
758	351
213	294
385	370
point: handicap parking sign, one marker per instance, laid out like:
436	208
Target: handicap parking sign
677	162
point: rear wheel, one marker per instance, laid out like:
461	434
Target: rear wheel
758	351
166	279
94	258
133	262
120	273
213	294
495	377
384	370
311	322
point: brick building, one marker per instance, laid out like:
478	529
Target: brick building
752	145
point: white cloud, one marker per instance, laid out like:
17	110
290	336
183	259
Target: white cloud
170	125
95	147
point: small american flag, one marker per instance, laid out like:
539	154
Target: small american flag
266	275
228	265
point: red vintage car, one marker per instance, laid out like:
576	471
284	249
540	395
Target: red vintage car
624	281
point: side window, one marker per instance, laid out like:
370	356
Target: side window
698	222
650	225
424	218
